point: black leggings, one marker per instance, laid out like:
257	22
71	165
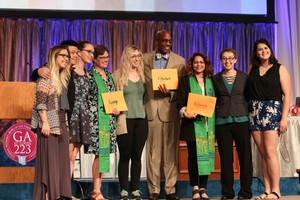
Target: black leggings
195	179
131	147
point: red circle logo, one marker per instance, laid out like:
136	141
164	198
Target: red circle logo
294	110
20	143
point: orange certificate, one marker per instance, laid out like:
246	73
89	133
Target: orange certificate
169	77
113	100
200	104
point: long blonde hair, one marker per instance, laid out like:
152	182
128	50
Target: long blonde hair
125	65
60	77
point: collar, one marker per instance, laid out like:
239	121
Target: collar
159	56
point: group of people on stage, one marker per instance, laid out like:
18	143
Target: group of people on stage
69	113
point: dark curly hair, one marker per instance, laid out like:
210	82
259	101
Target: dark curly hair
208	71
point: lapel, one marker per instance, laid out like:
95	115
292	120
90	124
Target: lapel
151	60
221	83
171	61
236	82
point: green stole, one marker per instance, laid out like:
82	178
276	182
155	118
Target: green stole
204	131
103	125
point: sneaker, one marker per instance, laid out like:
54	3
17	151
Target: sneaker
136	195
124	195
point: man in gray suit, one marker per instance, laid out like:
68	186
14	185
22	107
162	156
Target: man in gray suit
163	118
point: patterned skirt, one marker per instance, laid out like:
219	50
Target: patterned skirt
264	115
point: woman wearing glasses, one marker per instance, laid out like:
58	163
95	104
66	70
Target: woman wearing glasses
78	90
52	171
103	125
232	126
198	131
132	127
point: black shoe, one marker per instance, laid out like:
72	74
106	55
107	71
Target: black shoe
201	192
196	191
224	197
246	195
172	197
153	196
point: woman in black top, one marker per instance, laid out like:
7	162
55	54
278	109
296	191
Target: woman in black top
269	95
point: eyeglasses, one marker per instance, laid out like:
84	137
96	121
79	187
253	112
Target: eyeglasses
229	59
166	40
90	52
200	62
136	56
103	57
64	55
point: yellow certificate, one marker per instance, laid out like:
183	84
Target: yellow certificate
169	77
113	100
200	104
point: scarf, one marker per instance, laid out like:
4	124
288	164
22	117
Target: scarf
204	131
104	126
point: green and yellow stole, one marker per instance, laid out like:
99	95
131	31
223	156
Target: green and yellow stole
103	125
204	131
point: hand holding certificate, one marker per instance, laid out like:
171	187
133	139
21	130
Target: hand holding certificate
169	77
203	105
114	100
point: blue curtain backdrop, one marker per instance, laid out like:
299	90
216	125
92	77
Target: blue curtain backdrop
24	42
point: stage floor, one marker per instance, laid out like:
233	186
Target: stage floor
81	188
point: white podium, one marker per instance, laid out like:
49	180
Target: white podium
83	166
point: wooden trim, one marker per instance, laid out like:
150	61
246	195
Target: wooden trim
183	166
16	174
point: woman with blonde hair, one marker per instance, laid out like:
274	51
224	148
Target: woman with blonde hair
52	167
132	125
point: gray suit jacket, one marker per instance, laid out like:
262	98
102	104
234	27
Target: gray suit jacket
156	101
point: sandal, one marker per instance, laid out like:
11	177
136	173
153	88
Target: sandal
262	196
97	196
201	192
275	194
196	191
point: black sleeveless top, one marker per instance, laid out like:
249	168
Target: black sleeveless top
266	87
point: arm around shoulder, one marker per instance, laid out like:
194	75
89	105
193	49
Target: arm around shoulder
40	72
35	75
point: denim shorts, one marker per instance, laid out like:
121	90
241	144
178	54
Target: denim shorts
264	115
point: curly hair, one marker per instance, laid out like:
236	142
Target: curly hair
208	71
